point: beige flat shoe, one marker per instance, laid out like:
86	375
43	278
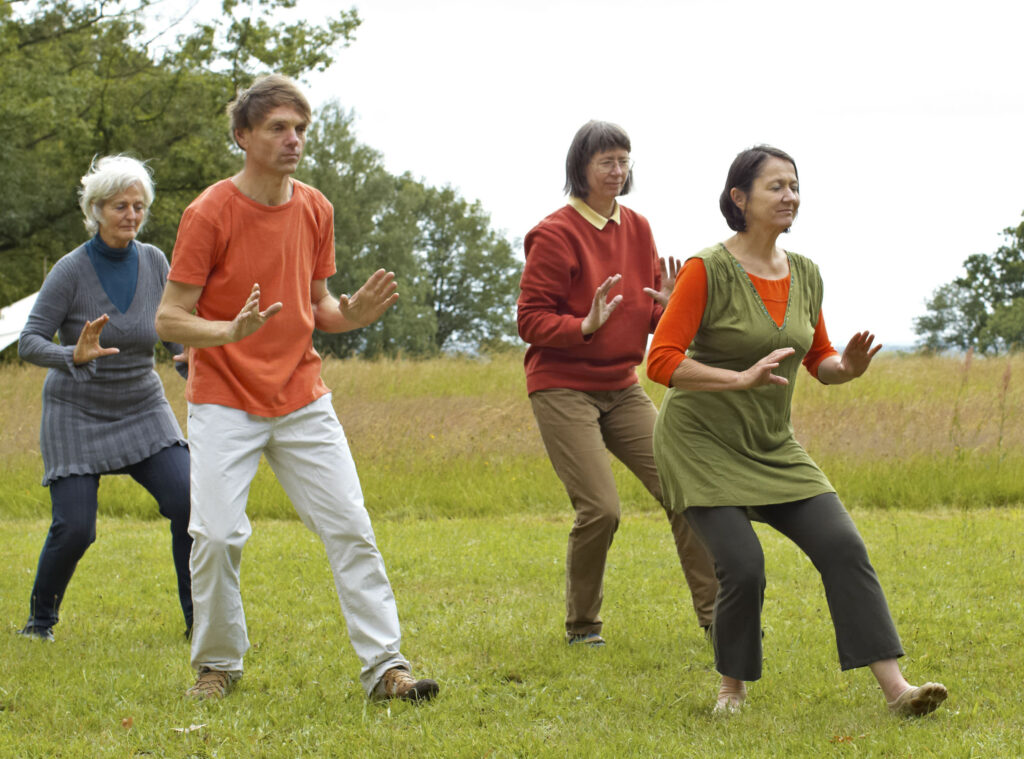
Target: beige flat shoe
726	705
913	702
729	701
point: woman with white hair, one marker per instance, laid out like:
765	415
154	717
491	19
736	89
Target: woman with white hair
104	410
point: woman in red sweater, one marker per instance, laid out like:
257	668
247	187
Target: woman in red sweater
593	289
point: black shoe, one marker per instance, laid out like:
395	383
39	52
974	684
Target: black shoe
34	631
188	632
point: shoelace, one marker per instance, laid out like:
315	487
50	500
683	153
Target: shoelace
211	682
396	680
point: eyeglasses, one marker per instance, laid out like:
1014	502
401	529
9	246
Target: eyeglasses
608	165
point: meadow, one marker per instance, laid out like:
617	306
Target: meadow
926	453
456	438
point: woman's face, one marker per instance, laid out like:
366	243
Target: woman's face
774	196
607	173
121	215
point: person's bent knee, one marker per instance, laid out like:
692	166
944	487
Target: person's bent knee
744	576
73	538
843	553
177	510
598	517
213	542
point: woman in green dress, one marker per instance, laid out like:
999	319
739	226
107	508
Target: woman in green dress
743	316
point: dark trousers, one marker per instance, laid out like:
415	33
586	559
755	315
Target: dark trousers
165	475
823	530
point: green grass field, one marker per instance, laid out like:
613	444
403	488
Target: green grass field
472	524
481	604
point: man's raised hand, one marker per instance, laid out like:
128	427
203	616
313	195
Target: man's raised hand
250	318
370	301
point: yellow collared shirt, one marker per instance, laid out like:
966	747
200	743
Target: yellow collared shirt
593	216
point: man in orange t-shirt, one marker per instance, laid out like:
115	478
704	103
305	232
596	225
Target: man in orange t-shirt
255	389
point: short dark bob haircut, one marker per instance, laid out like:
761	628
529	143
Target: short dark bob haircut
592	138
746	167
252	105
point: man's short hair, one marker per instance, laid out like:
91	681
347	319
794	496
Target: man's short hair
592	138
252	105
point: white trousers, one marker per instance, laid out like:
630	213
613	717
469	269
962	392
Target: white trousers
309	454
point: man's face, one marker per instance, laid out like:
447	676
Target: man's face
275	145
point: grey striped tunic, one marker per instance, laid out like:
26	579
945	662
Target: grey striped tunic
111	412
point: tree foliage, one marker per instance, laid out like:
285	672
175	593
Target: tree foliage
85	78
81	79
458	278
984	308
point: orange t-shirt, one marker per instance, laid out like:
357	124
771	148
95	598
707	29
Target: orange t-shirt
226	242
682	318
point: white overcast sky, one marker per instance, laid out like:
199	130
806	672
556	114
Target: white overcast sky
905	117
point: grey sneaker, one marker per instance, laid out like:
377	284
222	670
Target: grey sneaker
211	683
591	640
34	631
398	683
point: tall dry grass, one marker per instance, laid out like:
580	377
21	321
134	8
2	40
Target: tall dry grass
456	437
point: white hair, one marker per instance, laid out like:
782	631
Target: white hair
107	177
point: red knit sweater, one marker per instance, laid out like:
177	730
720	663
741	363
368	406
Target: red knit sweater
567	257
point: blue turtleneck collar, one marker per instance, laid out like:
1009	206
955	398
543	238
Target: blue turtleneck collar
117	269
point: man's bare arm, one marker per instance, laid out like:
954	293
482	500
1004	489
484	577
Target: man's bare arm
177	322
345	313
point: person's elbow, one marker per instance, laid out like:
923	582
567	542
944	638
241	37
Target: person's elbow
521	328
164	323
524	324
24	353
661	365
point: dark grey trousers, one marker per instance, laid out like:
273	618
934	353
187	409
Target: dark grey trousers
823	530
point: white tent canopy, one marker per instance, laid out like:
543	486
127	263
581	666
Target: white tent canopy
13	318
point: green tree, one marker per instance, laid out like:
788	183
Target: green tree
79	79
374	228
471	270
947	323
458	279
984	308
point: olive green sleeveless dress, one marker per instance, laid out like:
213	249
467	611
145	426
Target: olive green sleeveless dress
736	448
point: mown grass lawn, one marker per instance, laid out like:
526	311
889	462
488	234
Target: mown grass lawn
481	604
472	523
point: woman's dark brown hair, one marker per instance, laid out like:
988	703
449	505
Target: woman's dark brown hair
746	167
592	138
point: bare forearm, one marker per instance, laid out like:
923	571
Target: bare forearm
831	371
327	316
854	361
176	325
693	375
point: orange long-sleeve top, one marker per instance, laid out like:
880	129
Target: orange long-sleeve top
685	310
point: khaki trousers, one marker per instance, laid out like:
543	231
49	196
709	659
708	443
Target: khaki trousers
579	429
